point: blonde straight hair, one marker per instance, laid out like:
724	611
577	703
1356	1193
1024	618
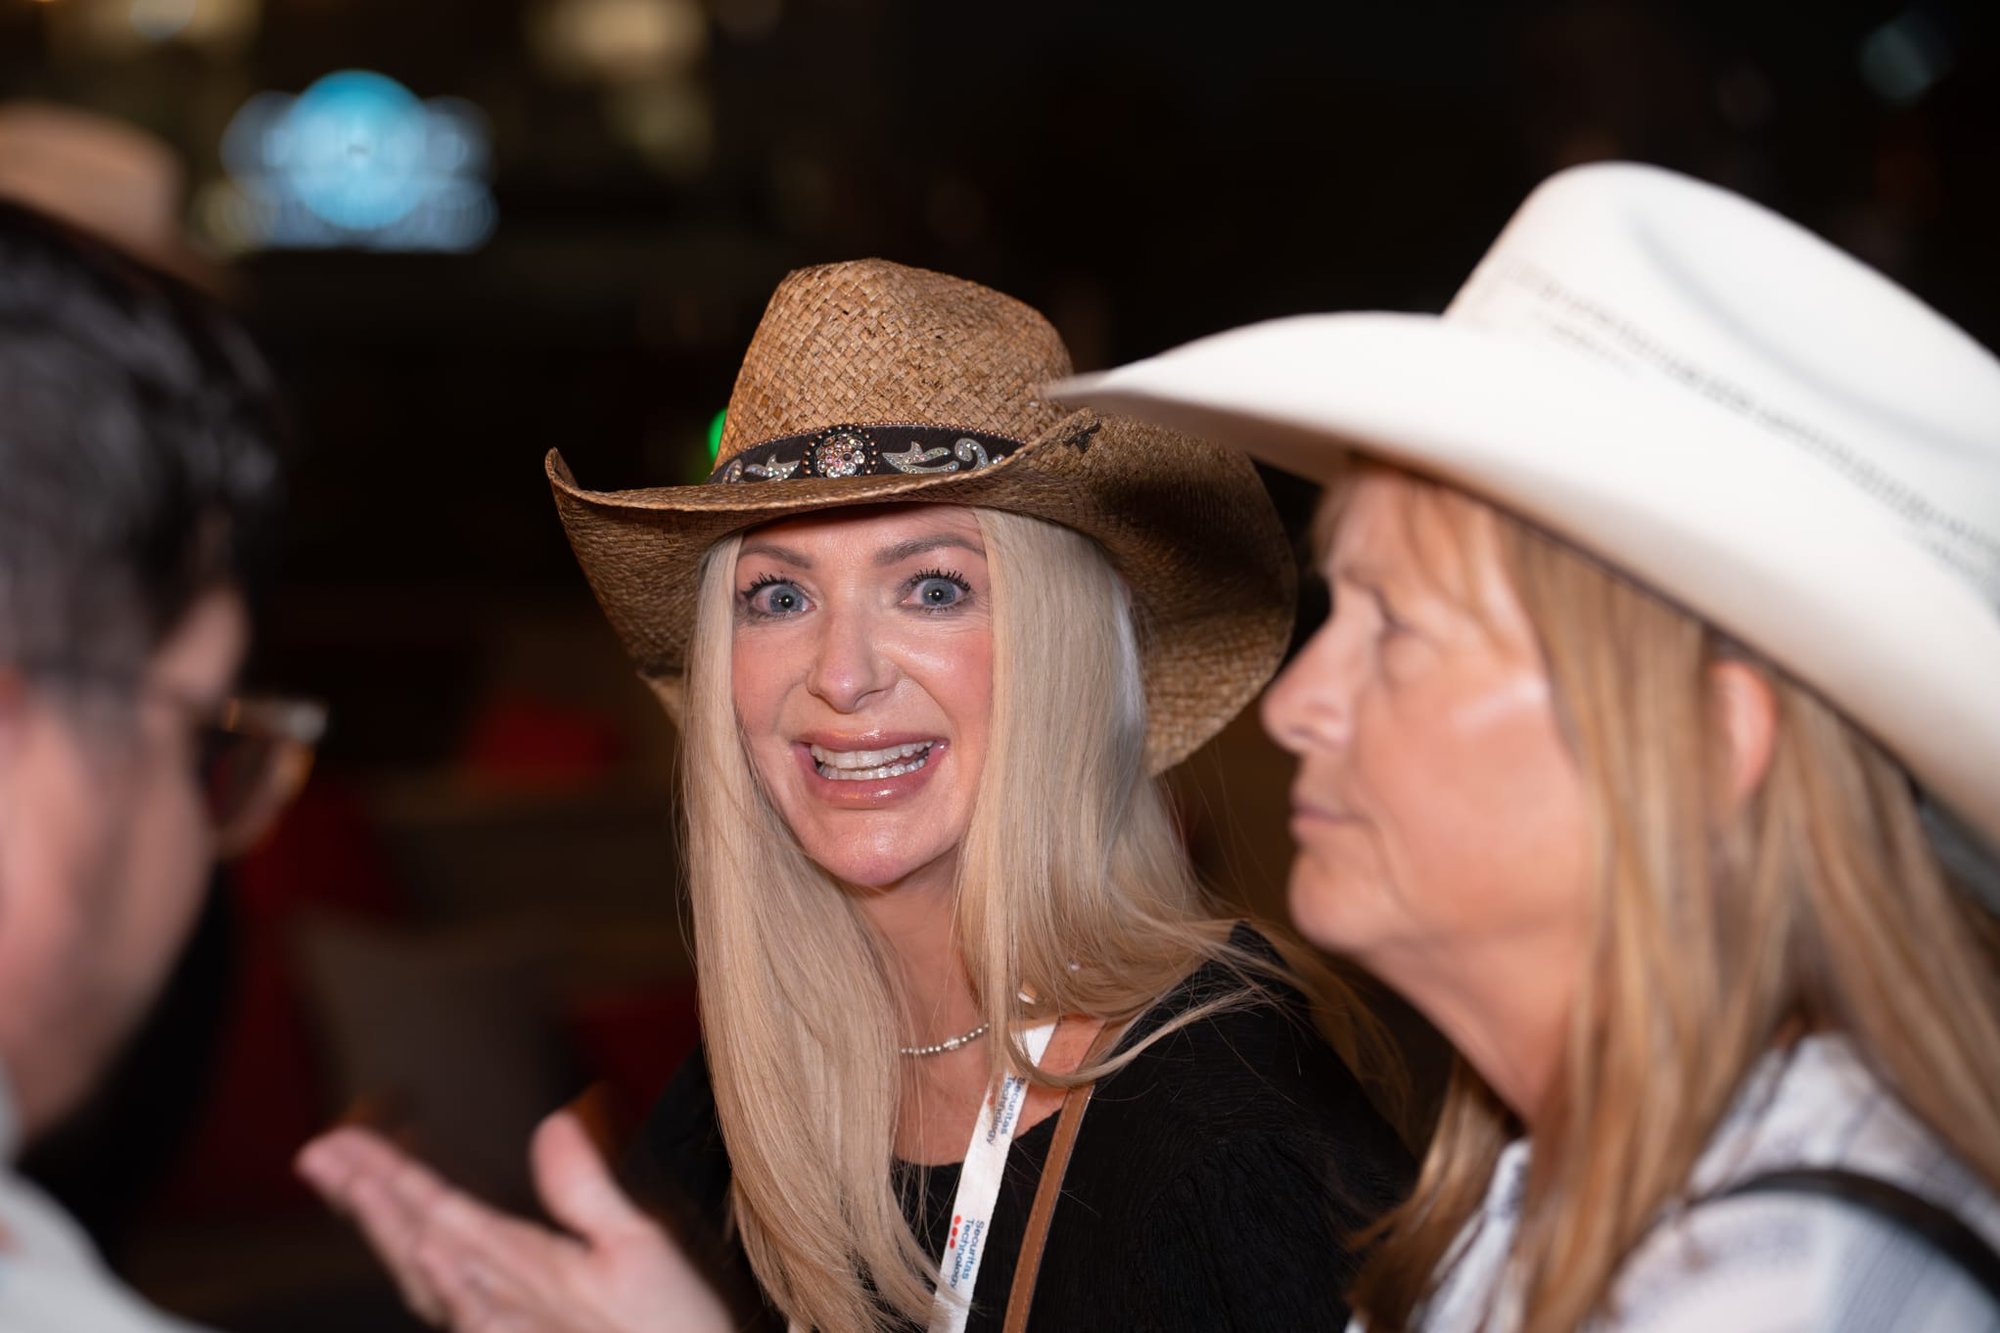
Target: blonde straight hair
1722	929
1073	888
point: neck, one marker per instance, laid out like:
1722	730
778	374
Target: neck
915	918
1505	1008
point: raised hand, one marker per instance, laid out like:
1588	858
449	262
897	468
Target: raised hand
472	1269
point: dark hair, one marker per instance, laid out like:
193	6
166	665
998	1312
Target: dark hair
139	452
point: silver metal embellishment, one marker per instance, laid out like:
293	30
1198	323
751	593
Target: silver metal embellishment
913	459
740	469
968	451
771	469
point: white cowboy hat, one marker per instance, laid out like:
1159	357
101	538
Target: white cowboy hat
1701	393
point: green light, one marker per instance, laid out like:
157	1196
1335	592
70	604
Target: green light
715	434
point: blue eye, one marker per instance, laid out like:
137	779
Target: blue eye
774	597
937	590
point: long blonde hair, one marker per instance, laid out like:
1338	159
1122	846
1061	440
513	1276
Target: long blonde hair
1073	888
1720	928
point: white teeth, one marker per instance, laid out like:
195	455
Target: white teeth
867	758
871	765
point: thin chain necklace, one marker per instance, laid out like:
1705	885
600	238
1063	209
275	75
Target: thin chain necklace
948	1044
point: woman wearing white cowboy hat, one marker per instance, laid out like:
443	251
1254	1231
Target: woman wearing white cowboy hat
930	638
1649	751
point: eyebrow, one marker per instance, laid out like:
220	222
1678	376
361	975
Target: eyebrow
888	555
782	554
901	551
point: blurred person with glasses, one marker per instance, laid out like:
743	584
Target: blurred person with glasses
139	477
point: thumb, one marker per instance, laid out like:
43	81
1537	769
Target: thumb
575	1185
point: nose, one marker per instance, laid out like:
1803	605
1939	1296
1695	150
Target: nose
848	668
1310	707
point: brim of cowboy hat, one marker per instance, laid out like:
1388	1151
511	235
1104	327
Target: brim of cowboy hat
1730	521
197	269
1208	565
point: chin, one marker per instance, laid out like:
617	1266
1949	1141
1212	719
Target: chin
873	869
1322	908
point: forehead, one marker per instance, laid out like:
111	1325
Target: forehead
1385	526
1374	513
872	526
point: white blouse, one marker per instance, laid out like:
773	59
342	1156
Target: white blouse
1765	1263
51	1280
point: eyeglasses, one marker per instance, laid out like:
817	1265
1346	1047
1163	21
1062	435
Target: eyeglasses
253	752
255	755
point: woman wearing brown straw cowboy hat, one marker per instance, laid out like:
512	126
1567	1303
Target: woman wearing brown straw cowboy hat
929	639
1648	750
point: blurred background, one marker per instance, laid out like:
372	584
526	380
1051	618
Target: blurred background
470	230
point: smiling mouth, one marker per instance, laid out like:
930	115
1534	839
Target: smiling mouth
870	765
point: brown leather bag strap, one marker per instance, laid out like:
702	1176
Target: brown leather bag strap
1021	1295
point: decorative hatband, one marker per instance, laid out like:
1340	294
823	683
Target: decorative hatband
866	451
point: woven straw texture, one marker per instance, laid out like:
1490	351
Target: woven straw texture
1187	524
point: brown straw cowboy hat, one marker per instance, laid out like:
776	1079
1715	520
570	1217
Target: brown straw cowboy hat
872	383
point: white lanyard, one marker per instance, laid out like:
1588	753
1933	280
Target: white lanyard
979	1190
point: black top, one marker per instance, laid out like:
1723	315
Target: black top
1216	1183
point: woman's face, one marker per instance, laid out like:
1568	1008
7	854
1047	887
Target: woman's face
1437	809
862	670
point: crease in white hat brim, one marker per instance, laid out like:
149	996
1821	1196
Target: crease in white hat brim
1661	485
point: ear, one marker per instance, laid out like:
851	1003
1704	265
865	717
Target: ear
1746	712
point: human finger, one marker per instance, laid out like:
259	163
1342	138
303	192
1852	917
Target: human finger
575	1184
395	1199
394	1234
326	1164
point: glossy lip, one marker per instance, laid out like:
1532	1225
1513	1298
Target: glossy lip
851	795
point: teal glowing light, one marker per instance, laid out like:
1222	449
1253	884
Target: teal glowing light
715	434
358	160
358	148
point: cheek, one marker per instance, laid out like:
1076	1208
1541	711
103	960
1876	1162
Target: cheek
1480	806
127	861
959	677
60	844
756	676
166	859
761	673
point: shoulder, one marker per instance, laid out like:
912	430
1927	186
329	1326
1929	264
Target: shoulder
1236	1041
51	1279
1775	1262
1790	1259
1233	1078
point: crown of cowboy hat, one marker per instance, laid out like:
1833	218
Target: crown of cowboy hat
872	383
105	177
1702	394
